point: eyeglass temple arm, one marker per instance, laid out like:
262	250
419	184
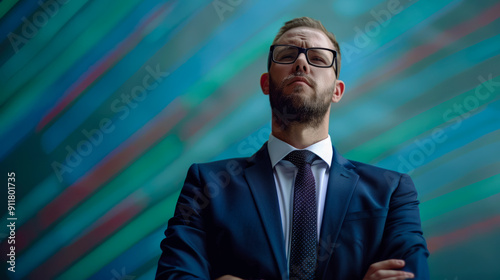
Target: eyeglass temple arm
269	60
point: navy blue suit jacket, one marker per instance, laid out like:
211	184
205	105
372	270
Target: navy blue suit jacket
227	221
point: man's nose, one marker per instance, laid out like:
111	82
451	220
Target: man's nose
301	64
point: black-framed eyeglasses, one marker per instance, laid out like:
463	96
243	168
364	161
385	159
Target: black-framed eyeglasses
288	54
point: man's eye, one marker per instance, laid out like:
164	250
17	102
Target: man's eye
318	59
286	56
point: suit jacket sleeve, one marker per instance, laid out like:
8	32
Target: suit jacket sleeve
403	238
184	254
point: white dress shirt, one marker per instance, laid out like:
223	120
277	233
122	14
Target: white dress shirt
284	177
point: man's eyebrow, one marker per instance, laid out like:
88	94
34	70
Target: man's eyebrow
295	42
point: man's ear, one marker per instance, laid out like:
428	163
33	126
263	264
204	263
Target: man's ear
264	83
339	91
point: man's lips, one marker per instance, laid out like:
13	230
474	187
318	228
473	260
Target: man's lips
299	80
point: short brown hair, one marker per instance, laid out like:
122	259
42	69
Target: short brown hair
309	22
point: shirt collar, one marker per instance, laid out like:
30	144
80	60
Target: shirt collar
279	149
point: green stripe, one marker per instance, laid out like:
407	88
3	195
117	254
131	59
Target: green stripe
5	6
461	197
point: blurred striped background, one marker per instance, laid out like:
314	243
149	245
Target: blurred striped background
105	104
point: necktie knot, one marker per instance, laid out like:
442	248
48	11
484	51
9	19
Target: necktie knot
301	157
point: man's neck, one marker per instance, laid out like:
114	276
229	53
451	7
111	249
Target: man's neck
301	135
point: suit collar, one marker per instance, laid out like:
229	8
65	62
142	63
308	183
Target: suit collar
259	174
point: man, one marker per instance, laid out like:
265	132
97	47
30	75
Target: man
296	209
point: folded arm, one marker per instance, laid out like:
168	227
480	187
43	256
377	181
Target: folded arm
403	239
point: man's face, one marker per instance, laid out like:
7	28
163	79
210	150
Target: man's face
300	92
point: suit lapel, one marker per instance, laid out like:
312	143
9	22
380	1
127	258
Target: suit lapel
261	183
341	185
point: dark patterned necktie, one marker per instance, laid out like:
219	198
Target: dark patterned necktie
303	252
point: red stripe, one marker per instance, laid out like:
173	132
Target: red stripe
107	225
419	53
101	67
440	242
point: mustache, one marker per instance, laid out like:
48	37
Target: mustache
290	77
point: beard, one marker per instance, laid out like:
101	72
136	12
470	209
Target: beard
298	107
